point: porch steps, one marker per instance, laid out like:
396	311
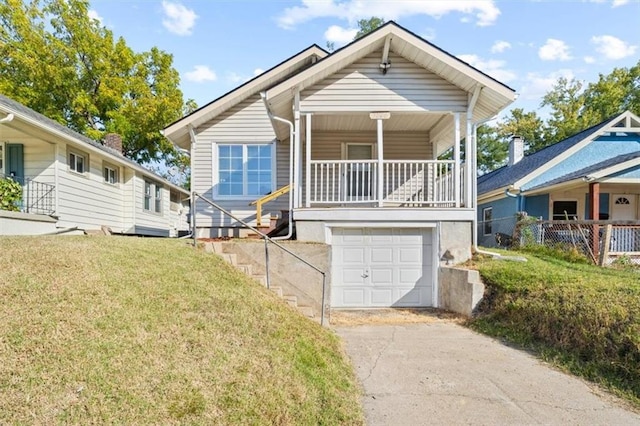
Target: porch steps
217	247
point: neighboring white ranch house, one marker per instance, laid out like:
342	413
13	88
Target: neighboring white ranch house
357	134
72	183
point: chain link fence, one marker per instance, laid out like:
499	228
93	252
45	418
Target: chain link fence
602	242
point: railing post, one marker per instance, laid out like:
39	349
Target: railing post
324	291
194	201
456	158
266	261
380	163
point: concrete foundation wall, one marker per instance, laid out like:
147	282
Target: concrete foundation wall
287	272
456	238
16	223
460	290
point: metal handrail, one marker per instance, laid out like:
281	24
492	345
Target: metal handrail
267	240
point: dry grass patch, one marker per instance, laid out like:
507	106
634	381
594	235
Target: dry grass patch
356	317
151	331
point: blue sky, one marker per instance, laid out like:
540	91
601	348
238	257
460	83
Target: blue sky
217	45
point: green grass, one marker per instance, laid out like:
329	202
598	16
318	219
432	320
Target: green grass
580	317
151	331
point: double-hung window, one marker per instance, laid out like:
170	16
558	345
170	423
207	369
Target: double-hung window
152	196
487	224
77	162
110	174
245	170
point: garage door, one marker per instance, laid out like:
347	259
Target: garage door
381	267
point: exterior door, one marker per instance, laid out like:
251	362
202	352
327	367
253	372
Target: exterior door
381	267
359	179
15	161
624	207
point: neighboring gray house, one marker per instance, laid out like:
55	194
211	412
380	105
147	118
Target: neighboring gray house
357	135
72	182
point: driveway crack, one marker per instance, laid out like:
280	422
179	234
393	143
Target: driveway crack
375	363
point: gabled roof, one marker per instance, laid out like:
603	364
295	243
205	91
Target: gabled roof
178	131
508	175
23	113
590	170
493	98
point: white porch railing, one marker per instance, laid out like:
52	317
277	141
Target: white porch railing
425	183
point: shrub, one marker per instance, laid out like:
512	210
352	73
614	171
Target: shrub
10	194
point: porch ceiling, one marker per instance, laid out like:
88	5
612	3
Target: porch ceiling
362	122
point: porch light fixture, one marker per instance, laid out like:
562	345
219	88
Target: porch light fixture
384	67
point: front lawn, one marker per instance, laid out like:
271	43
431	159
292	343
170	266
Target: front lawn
581	317
118	330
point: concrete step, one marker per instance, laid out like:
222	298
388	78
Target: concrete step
262	279
277	290
244	268
307	311
291	300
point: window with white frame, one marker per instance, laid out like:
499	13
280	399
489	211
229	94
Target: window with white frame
487	216
245	170
78	162
152	196
110	174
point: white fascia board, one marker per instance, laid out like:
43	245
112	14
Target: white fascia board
82	145
484	80
494	195
178	128
558	186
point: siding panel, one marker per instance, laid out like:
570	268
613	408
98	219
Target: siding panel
362	87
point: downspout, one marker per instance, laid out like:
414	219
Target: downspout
263	96
192	198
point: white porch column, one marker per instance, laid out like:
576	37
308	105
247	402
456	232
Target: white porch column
456	159
469	153
307	201
297	155
380	163
379	117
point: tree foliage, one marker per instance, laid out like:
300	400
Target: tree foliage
365	26
69	67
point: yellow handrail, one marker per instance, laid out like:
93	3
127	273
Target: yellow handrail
269	197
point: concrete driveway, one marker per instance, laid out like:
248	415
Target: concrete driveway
442	373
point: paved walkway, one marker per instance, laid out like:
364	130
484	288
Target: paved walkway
443	373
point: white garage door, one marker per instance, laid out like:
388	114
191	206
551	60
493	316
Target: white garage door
381	267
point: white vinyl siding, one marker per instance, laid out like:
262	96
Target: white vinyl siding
84	200
361	86
246	123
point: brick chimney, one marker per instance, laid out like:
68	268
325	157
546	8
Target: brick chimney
113	141
516	149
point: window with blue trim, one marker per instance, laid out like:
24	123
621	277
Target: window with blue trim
245	170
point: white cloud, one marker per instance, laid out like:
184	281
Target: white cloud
554	50
235	77
257	71
589	59
93	14
428	34
612	47
337	34
537	85
500	46
200	74
615	3
485	12
178	19
493	67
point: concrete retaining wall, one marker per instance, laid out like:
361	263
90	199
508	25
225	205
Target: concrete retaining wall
460	290
287	272
17	223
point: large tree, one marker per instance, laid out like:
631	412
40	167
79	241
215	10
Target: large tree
67	66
